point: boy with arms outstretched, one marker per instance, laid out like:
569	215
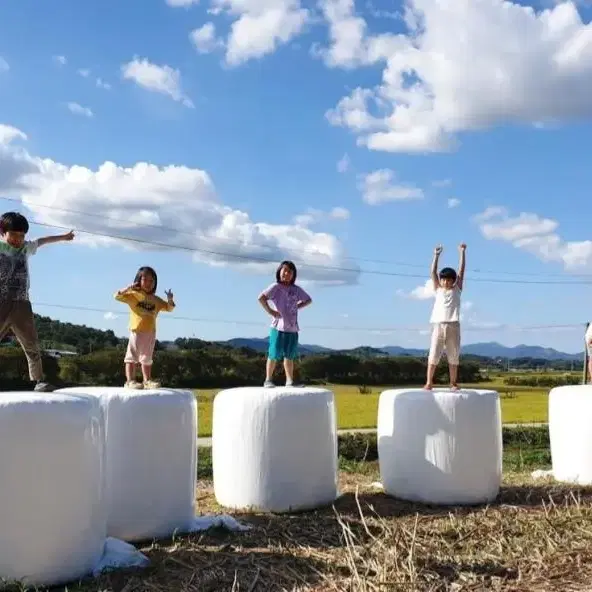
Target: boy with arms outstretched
445	318
15	307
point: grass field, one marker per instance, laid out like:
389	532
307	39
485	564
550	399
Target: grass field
354	410
535	537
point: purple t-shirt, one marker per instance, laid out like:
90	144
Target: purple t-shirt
286	299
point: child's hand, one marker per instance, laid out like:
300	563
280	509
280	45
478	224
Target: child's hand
462	246
69	236
438	250
168	294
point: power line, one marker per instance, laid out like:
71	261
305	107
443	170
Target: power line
254	259
391	329
268	260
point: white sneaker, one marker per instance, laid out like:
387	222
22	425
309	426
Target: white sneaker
134	384
151	384
268	384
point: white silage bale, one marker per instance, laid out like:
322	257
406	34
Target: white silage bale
442	446
274	449
52	505
570	433
151	460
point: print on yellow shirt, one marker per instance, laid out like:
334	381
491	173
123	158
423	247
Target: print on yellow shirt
144	309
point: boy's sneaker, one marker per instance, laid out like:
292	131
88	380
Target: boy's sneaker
134	384
151	384
44	387
268	384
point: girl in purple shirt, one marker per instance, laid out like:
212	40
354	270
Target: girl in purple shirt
287	299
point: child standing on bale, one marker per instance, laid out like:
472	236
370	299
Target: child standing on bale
446	317
16	313
144	308
288	299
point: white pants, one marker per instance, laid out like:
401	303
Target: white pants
588	339
445	336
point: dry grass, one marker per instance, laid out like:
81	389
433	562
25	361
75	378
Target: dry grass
537	536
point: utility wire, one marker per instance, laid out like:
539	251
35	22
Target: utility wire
270	260
383	329
253	259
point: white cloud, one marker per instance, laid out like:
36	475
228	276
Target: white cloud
102	84
453	202
379	187
160	79
442	183
460	66
537	235
343	164
84	72
4	67
80	110
423	292
181	3
60	60
109	316
260	27
339	213
145	202
314	216
204	39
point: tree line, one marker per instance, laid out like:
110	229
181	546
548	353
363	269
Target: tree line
219	367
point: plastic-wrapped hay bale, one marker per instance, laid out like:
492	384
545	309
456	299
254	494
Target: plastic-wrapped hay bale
440	447
274	449
570	433
151	460
52	506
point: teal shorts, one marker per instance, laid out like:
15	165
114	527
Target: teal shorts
283	345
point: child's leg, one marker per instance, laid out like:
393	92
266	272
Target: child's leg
274	353
436	349
23	327
290	355
589	369
289	370
453	351
145	345
131	361
269	369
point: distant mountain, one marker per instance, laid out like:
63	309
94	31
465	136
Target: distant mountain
485	350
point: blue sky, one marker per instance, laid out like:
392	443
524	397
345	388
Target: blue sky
331	133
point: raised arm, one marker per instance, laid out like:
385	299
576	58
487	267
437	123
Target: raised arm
461	266
434	269
56	238
169	305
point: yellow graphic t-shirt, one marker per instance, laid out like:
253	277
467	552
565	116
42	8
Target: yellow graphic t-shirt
144	309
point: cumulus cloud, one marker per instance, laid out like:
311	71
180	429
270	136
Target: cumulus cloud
423	292
260	26
204	39
460	67
110	316
160	79
60	60
102	84
535	234
144	202
78	109
380	186
314	216
453	202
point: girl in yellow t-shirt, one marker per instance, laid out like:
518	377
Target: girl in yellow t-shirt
144	308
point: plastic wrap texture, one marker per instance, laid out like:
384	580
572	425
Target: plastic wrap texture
151	460
440	447
570	433
274	449
52	506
